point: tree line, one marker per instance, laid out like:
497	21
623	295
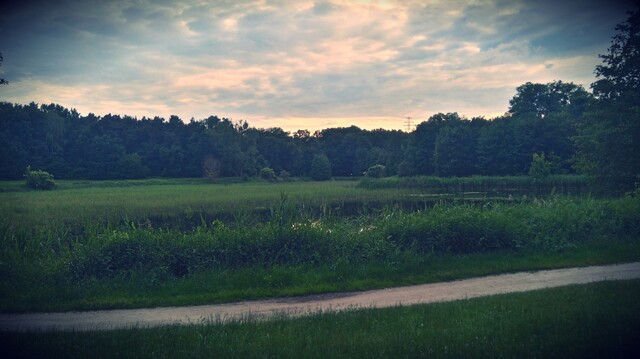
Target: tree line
542	119
571	129
61	141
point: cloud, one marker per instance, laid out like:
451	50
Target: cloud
268	61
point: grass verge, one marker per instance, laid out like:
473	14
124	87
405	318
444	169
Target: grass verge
600	320
54	293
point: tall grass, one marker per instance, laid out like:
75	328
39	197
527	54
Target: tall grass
514	185
160	235
162	203
552	224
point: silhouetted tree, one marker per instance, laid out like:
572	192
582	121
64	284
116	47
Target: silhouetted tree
320	168
609	139
540	167
542	119
541	100
455	151
2	81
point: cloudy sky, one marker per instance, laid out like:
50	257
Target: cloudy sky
298	64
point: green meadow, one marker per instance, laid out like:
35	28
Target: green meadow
128	244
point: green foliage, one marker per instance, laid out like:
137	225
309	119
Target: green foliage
618	74
267	174
484	185
132	167
540	167
211	167
143	242
284	176
541	100
2	81
42	180
405	169
608	141
116	147
289	239
457	229
376	171
455	151
320	168
421	146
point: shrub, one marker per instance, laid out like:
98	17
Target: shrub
285	176
377	171
453	229
211	167
39	179
268	174
540	167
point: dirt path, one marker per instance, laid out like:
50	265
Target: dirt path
295	306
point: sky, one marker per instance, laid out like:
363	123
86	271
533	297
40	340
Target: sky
298	64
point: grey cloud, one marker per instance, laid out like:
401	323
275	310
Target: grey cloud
280	31
203	25
415	55
322	8
147	43
554	27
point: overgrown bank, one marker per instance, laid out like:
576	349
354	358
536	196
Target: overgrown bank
296	252
552	224
492	185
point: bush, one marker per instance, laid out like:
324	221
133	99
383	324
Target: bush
377	171
285	176
211	167
39	179
540	168
268	174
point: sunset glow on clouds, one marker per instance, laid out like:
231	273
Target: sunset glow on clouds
298	64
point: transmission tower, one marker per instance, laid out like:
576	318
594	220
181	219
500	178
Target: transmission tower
408	125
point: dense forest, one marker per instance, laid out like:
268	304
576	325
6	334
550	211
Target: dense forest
542	119
570	129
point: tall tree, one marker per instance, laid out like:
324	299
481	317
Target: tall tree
320	168
542	99
502	147
419	154
2	81
455	151
609	139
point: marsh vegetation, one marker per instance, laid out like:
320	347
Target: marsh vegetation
89	245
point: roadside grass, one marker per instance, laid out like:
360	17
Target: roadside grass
39	292
599	320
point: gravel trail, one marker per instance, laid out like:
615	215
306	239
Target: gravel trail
296	306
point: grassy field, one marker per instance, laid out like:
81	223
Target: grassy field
116	244
111	202
505	185
585	321
86	203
